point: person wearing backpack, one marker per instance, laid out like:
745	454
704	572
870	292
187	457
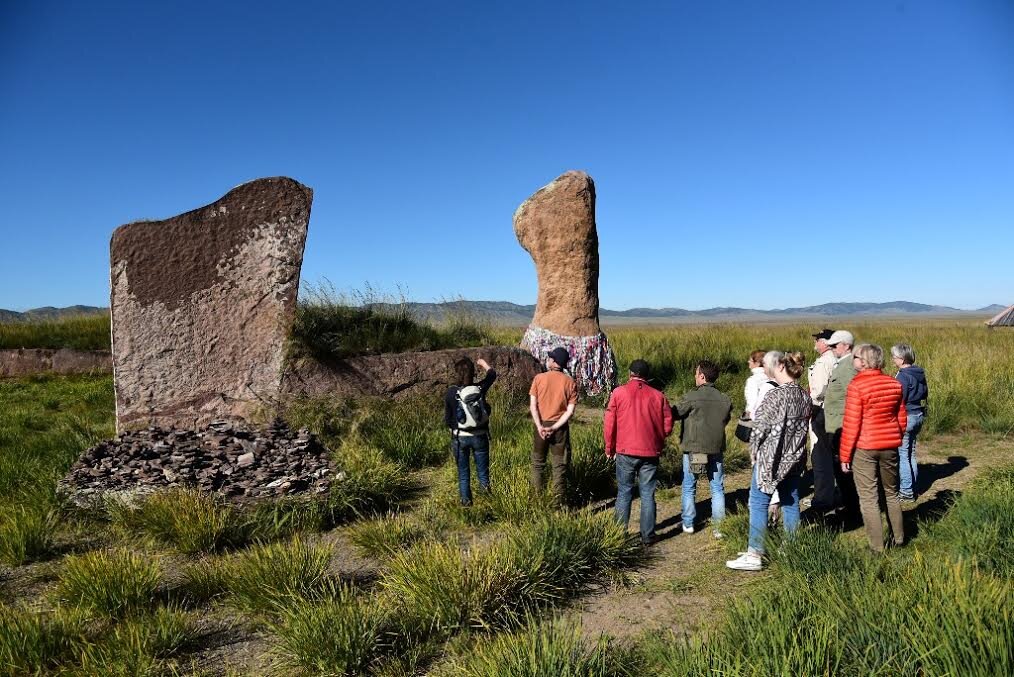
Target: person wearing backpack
466	414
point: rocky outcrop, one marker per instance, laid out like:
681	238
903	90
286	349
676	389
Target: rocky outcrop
556	226
228	459
201	305
399	375
29	361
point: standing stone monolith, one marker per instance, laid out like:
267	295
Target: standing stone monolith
556	226
201	306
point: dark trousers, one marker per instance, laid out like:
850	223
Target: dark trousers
823	458
557	448
846	482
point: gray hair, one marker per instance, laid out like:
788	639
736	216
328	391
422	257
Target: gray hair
871	354
904	352
771	360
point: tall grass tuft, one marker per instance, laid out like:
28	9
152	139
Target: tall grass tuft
266	578
187	519
436	588
979	526
26	534
110	582
368	483
138	645
34	642
330	326
341	634
549	649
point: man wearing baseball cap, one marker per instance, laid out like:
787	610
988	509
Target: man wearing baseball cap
844	371
821	455
552	399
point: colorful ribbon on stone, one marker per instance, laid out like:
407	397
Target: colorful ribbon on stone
592	363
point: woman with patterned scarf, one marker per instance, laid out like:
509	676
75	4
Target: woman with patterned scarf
778	453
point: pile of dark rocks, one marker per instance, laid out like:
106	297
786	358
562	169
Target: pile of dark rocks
228	458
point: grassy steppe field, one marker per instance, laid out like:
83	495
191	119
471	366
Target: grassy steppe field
391	576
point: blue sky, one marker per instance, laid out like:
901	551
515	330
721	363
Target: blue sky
764	154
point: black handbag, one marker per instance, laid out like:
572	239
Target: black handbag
744	426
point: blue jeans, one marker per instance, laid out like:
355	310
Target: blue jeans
716	478
788	493
478	445
643	470
908	472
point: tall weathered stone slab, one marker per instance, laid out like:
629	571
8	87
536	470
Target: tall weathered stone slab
201	305
556	225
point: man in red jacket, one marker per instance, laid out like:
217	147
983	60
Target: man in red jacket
638	419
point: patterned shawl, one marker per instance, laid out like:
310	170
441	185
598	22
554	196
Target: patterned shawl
778	441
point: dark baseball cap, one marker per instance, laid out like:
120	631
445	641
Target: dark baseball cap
639	368
560	356
823	334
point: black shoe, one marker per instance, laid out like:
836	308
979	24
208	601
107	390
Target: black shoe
466	503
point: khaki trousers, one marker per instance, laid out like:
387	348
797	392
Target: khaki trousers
876	471
557	448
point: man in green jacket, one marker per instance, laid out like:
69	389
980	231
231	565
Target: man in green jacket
844	371
704	412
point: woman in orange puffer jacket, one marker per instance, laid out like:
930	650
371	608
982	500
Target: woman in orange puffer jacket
875	420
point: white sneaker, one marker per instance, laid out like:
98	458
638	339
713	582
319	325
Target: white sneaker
747	561
688	530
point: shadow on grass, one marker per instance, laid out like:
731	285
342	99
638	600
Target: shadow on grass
929	473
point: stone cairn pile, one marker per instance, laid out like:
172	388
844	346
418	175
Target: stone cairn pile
227	458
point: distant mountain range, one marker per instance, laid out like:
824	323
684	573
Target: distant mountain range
49	313
504	312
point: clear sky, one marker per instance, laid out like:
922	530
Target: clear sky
755	154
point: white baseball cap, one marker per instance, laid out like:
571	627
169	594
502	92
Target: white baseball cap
841	336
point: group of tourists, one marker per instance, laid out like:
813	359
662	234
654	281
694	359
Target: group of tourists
861	425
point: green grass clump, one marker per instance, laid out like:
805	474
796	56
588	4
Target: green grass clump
265	578
82	332
411	433
331	326
550	649
110	583
140	644
33	642
438	589
384	537
979	526
26	534
342	634
367	483
187	519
